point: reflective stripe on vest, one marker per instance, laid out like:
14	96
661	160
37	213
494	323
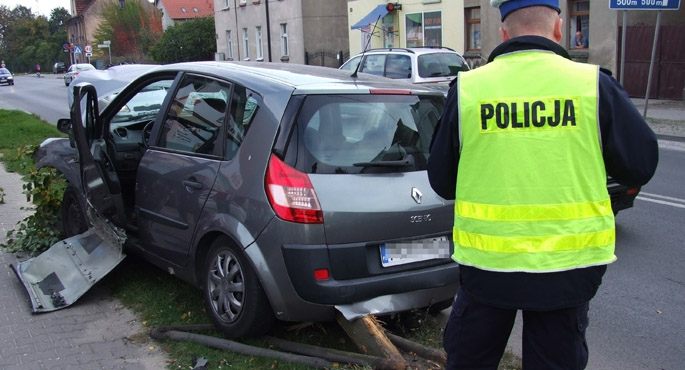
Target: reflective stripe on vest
531	190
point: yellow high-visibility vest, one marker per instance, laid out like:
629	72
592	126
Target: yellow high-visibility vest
531	192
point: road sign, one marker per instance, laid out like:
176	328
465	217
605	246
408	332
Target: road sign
88	49
77	50
88	55
644	4
103	46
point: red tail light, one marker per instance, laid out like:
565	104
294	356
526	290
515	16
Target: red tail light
321	274
632	191
291	194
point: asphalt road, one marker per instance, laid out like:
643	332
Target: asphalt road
45	96
637	320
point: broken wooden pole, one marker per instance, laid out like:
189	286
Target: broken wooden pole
370	338
404	344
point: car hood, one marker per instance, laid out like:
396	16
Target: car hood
110	80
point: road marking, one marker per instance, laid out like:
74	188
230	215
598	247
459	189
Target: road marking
661	199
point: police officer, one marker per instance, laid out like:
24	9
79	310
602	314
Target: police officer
524	146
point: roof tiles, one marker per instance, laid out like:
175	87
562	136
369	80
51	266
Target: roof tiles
185	9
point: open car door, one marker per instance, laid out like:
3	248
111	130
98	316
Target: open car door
62	274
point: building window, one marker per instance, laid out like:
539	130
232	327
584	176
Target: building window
229	46
284	40
579	23
472	29
260	49
424	29
227	4
389	31
246	45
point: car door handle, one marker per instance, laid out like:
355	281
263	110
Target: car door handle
192	185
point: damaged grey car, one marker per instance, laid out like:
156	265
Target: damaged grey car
283	192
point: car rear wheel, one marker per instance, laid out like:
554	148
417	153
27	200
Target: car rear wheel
234	297
73	218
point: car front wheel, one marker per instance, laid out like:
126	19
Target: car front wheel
234	297
73	218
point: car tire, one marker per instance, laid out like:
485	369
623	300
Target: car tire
234	297
73	218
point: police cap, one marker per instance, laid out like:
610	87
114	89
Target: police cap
508	6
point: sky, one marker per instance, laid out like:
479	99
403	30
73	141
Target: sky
41	7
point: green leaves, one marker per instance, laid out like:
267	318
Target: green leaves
40	230
131	30
191	40
28	39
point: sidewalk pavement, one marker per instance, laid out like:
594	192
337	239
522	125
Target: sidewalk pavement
98	332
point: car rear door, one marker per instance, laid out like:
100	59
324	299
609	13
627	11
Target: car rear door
59	276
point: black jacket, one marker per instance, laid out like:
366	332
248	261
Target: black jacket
630	153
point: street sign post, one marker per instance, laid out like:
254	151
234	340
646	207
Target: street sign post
626	5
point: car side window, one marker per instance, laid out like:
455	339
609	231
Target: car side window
351	65
142	107
244	106
196	116
373	64
398	66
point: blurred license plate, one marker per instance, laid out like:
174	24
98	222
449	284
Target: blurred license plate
399	253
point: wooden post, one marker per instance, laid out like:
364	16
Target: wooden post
370	337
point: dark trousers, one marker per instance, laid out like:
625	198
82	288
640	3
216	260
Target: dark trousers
476	336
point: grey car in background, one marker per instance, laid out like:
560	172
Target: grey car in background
282	191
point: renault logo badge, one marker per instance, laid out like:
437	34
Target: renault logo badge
416	195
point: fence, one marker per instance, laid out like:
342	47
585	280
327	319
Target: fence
326	58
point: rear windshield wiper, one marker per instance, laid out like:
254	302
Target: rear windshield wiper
400	163
405	160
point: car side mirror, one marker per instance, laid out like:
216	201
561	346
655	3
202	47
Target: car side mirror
64	125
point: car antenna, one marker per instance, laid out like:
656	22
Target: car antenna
354	74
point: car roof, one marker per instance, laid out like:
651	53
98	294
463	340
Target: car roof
304	79
414	50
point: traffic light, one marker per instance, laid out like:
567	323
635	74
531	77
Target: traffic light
393	6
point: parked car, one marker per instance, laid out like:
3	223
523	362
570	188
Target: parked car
282	191
6	77
74	70
59	67
425	65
